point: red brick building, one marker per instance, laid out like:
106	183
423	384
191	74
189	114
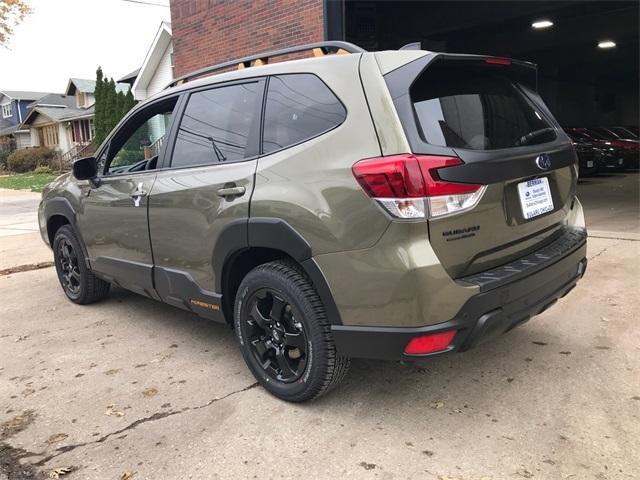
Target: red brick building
206	32
581	83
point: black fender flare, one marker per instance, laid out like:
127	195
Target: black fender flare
277	234
62	206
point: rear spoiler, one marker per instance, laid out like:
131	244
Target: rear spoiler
520	70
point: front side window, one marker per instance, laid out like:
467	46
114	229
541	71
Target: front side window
478	108
215	126
299	107
137	145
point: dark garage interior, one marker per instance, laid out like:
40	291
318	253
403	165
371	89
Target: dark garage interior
583	84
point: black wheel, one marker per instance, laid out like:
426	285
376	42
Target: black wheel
284	333
78	282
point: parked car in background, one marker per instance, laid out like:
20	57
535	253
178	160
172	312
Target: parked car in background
629	148
588	154
624	133
612	155
633	129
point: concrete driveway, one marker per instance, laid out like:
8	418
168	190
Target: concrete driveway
131	386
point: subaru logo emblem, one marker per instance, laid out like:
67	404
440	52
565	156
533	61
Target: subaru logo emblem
543	161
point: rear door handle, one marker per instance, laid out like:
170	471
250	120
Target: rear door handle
231	191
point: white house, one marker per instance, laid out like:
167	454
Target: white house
157	68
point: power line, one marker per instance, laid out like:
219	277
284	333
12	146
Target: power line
141	2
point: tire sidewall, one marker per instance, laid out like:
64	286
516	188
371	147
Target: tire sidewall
65	232
315	370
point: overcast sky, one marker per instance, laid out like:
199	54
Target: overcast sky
70	38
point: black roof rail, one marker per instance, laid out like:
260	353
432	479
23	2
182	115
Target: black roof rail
325	47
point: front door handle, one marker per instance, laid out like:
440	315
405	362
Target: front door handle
231	192
137	195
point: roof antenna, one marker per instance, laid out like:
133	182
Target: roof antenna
412	46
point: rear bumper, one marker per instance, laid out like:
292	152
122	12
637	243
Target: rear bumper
509	296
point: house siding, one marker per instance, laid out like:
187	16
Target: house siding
162	76
206	32
23	139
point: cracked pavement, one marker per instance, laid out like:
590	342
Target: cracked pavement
132	385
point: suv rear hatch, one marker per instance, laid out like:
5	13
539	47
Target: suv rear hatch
483	114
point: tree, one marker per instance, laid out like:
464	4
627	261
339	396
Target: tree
12	12
110	105
98	119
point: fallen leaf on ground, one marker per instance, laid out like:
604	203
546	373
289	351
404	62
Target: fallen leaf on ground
523	472
437	404
127	475
59	472
56	437
112	412
112	371
150	392
28	391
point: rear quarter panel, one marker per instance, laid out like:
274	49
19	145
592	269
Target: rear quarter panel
310	185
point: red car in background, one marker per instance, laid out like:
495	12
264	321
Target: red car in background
620	153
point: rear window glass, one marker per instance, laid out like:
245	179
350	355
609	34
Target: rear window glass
299	107
476	108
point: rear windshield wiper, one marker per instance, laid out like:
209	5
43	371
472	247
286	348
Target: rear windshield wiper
529	137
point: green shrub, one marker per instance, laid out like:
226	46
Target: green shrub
27	159
43	169
3	158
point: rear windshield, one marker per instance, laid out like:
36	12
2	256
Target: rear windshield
477	108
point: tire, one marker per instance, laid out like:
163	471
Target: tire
284	334
80	285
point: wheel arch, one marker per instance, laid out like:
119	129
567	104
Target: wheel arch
246	244
59	212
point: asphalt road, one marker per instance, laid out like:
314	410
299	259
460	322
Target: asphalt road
131	385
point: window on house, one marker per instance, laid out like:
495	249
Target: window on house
299	107
49	135
7	110
215	126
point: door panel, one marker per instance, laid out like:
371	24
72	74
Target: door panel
187	214
115	230
113	216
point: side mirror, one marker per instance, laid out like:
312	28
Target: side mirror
85	168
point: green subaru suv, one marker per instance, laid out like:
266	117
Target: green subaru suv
389	205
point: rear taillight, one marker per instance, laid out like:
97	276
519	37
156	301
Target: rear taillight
425	344
408	186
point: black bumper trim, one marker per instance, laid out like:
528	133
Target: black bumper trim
484	316
570	240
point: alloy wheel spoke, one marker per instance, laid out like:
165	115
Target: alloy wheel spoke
283	364
257	317
295	340
260	346
277	309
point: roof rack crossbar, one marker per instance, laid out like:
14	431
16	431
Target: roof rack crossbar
326	47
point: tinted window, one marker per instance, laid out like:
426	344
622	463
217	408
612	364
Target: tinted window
476	108
215	126
138	143
299	107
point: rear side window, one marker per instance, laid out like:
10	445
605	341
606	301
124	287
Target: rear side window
299	107
215	126
478	108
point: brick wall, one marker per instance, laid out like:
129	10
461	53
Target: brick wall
206	32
